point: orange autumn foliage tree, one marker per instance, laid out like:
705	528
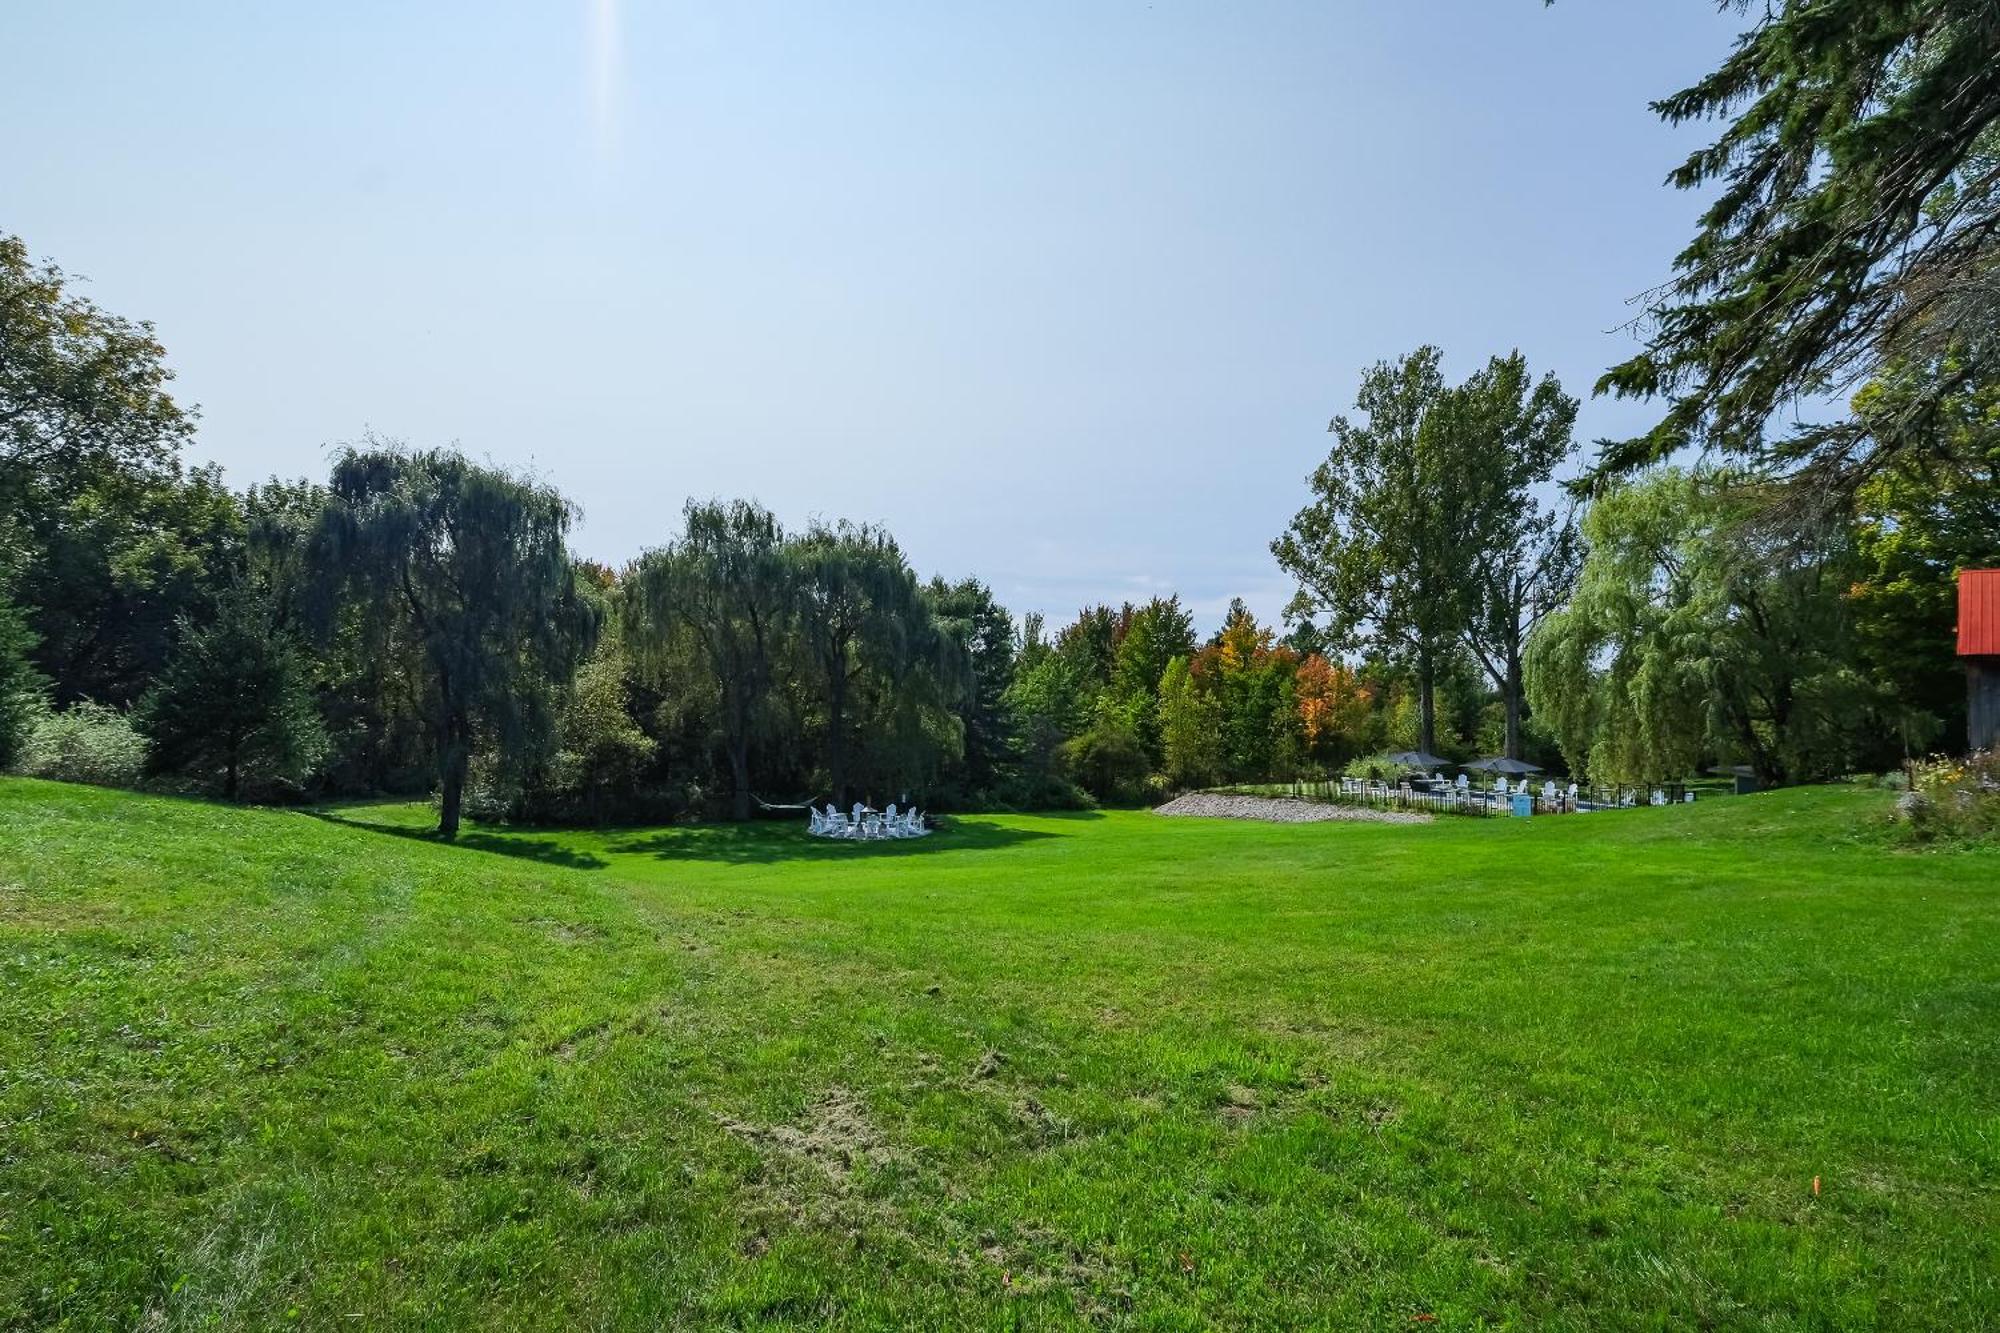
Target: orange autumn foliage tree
1333	707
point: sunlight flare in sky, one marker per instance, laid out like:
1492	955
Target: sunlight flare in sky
602	22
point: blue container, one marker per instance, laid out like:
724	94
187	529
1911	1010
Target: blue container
1524	802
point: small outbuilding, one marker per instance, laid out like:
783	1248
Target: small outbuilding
1979	649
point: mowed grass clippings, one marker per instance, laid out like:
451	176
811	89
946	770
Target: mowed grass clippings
1729	1066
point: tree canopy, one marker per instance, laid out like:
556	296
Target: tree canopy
1854	234
475	559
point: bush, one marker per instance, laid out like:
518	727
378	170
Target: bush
1109	762
234	711
85	743
1953	799
20	685
1377	768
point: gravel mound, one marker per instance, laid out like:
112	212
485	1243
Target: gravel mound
1280	810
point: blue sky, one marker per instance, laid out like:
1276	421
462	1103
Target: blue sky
1063	294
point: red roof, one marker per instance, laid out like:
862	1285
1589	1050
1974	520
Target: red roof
1979	613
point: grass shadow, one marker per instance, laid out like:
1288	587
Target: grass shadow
769	843
547	851
759	843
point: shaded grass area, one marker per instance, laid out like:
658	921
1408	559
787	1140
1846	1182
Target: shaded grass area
267	1068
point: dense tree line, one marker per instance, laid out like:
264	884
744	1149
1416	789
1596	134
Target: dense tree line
1728	588
418	623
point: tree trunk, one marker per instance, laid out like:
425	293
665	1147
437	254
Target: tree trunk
452	796
1513	692
1426	703
836	749
452	763
739	767
229	770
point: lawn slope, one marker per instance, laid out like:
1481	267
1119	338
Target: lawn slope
266	1068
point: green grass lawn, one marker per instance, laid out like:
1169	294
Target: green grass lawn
283	1069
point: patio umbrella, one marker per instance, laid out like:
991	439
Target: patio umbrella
1417	759
1494	763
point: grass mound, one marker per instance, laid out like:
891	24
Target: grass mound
1732	1065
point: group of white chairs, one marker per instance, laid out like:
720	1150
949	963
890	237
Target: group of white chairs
1439	793
866	825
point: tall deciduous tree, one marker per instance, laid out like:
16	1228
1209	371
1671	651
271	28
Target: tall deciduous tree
984	634
1505	435
21	686
1854	232
1153	635
116	542
1333	709
726	583
1693	632
77	385
1919	522
859	610
1381	548
1190	726
473	558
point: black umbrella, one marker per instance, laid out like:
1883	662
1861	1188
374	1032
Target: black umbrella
1417	759
1500	764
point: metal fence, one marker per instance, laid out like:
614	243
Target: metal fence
1447	799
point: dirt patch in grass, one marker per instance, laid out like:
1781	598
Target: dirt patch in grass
1240	1105
569	932
836	1137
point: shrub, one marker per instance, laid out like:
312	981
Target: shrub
234	712
1109	763
20	685
85	743
1953	799
1376	767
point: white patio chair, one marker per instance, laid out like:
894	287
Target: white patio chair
815	824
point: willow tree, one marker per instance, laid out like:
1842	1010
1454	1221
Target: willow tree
1694	632
726	586
473	559
859	610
